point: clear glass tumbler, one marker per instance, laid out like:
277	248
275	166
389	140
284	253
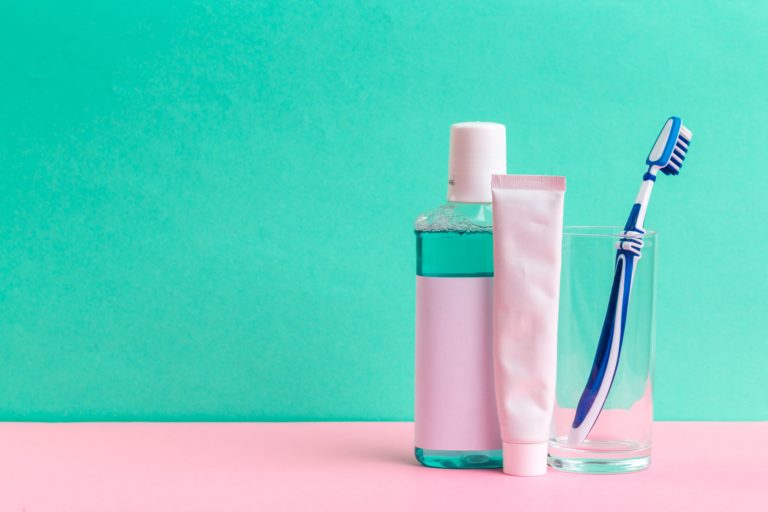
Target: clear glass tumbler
620	440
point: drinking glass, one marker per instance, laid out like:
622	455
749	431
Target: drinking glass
620	440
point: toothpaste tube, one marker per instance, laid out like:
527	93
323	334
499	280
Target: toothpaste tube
527	246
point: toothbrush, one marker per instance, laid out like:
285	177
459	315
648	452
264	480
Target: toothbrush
667	156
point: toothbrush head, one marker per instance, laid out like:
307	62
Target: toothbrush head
671	146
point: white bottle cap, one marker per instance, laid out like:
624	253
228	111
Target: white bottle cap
478	150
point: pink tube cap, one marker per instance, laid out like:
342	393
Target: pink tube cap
525	459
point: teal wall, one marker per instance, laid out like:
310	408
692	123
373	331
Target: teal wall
206	207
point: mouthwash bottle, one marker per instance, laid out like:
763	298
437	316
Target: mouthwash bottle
455	418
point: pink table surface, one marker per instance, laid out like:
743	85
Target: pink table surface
350	466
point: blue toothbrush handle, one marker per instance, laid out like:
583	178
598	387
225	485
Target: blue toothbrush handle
608	350
610	338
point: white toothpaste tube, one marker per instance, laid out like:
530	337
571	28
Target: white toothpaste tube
527	248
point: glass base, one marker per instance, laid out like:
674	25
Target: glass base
459	459
599	466
601	456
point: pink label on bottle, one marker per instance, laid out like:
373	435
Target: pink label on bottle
455	400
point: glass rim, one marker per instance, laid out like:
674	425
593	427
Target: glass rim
600	231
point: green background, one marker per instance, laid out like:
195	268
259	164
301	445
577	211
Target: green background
206	207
